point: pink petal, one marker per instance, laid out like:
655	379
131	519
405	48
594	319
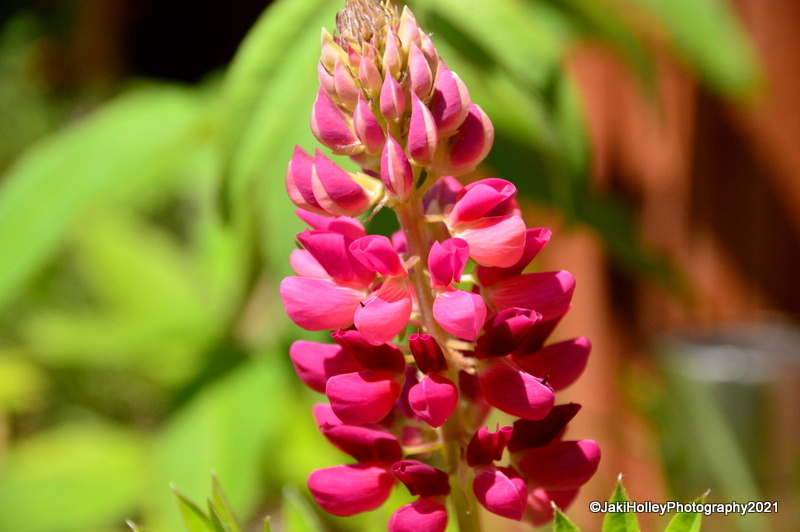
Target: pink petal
332	127
501	491
376	253
363	397
407	29
369	75
344	84
422	479
331	251
485	447
446	261
462	152
367	127
478	200
460	313
450	102
422	515
350	489
315	363
319	304
496	241
548	293
365	444
305	265
323	415
513	391
396	171
433	399
562	465
386	312
535	240
420	73
392	56
335	190
562	363
298	181
423	137
345	225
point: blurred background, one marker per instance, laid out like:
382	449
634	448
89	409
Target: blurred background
144	228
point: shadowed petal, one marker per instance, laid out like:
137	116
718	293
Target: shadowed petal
562	465
507	387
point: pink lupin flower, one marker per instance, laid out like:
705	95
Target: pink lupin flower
332	127
433	399
422	515
502	491
505	386
470	145
298	181
427	353
344	225
505	331
339	192
315	363
346	490
363	397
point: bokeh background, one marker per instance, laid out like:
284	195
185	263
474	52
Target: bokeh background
144	229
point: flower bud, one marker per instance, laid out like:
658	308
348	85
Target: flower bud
376	357
350	489
421	479
332	127
462	152
450	102
298	182
344	84
419	72
433	399
485	447
392	100
330	50
423	137
501	491
336	190
396	171
368	72
562	465
507	387
504	332
392	56
367	127
427	353
407	30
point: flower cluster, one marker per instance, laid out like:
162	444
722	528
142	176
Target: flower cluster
422	350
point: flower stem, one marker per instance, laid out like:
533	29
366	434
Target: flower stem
455	435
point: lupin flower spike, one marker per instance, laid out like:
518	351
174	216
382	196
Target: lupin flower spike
422	351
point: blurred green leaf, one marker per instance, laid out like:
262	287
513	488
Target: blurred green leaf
561	523
298	515
193	517
218	504
21	383
687	521
74	477
134	142
710	38
620	521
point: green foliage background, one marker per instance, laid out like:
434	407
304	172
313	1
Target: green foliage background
142	341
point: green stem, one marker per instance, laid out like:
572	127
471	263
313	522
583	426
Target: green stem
455	435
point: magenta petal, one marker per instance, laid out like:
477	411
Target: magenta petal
423	137
473	141
315	363
460	313
505	331
562	465
331	251
367	127
350	489
540	504
422	515
501	491
319	304
363	397
365	444
535	240
335	190
427	353
396	171
479	199
450	102
422	479
384	356
433	399
332	127
392	102
562	363
386	312
377	254
495	241
446	261
323	415
548	293
344	225
513	391
485	447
